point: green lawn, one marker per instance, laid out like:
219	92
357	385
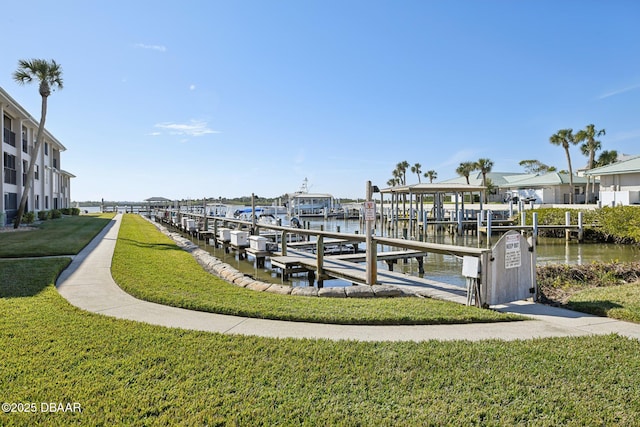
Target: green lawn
618	302
126	373
150	266
62	236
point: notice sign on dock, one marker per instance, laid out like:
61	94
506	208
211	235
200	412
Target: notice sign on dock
370	210
512	253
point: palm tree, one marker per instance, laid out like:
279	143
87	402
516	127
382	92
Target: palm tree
606	158
416	169
589	147
484	166
431	174
465	169
49	76
402	169
564	137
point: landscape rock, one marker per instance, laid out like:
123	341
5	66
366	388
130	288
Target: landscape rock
359	292
387	291
258	286
279	289
332	292
308	291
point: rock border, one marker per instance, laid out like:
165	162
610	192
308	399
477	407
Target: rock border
231	275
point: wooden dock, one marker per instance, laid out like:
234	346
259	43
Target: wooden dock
335	267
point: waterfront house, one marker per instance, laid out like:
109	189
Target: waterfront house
52	185
548	188
619	182
495	182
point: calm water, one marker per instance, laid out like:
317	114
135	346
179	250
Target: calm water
446	268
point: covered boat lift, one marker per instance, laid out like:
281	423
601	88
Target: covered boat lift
408	202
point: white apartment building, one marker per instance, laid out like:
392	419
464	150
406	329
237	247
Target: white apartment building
52	186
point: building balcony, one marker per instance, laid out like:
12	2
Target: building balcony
9	137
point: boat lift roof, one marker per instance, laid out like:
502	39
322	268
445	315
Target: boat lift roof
429	188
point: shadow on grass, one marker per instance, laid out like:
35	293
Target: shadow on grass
598	308
27	278
146	245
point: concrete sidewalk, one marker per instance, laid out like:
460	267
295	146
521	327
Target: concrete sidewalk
87	284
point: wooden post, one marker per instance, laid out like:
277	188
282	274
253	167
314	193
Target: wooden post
488	228
567	222
370	256
320	259
283	242
253	215
580	227
535	228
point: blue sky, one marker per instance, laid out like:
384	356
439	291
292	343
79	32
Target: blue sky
215	98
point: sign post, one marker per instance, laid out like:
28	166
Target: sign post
369	218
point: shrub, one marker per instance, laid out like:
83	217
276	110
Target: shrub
29	218
44	215
620	224
55	214
75	211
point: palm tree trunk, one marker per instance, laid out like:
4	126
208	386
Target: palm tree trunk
571	191
32	164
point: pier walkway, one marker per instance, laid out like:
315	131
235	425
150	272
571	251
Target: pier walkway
345	267
87	284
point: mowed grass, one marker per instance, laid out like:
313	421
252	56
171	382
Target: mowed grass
61	236
150	266
126	373
619	302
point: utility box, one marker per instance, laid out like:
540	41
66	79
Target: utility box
512	270
224	234
258	243
189	224
239	238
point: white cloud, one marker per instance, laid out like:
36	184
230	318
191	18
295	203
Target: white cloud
624	136
618	92
192	87
465	155
193	128
159	48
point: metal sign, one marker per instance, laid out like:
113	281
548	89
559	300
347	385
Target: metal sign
512	255
370	210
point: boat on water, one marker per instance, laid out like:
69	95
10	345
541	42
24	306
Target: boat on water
218	210
303	204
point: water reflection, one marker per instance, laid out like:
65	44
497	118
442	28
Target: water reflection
443	268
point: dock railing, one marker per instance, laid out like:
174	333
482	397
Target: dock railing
484	290
321	236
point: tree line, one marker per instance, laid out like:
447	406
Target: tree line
564	138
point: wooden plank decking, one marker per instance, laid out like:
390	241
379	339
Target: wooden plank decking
356	273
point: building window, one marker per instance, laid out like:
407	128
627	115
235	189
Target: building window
10	173
9	137
46	202
10	201
37	202
36	172
25	168
46	149
25	142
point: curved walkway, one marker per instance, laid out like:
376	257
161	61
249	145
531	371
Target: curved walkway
87	284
